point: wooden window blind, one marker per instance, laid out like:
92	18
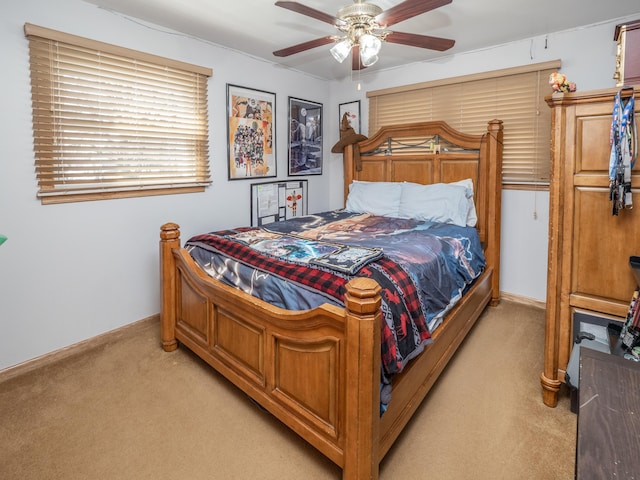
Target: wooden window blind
515	96
110	122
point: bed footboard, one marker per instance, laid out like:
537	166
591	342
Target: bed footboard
316	370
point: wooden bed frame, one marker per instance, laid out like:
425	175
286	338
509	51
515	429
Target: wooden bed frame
318	371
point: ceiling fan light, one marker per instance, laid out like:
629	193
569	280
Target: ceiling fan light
369	48
369	44
368	61
341	50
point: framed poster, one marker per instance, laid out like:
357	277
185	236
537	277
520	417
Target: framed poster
305	137
277	201
251	130
352	109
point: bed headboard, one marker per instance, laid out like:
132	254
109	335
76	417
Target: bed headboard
434	152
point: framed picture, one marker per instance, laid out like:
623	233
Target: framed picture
251	131
305	137
352	109
276	201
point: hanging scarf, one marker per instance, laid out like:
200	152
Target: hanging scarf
623	139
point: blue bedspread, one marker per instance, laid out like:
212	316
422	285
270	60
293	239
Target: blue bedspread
422	267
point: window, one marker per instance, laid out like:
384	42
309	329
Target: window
515	96
109	122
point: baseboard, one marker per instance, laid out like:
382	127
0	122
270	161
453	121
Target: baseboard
75	349
532	302
78	348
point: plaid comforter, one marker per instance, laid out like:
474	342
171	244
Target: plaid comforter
423	269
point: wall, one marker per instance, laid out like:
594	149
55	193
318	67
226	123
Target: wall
588	59
70	272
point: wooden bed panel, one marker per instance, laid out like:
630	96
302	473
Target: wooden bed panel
193	312
417	170
452	170
425	169
295	361
239	342
373	171
318	370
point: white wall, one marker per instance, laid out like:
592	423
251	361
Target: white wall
70	272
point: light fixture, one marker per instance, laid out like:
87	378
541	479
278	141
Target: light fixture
369	48
360	29
341	50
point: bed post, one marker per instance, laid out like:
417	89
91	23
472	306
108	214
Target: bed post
169	240
495	200
347	157
361	456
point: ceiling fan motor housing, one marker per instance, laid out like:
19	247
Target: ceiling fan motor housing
359	9
359	18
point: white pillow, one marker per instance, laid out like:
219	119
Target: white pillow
472	216
377	198
439	202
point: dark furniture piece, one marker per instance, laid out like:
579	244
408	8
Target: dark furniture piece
627	36
608	417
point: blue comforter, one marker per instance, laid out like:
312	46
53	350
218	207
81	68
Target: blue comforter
423	268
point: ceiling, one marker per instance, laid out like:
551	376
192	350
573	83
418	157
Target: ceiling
258	27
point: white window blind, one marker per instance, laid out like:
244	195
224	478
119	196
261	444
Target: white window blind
515	96
112	122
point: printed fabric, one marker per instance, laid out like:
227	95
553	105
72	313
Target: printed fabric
422	268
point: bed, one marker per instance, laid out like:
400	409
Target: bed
319	370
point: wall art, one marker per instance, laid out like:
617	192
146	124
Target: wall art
305	137
251	133
277	201
352	109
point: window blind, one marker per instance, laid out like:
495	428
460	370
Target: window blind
515	96
112	122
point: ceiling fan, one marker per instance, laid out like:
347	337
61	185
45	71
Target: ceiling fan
363	28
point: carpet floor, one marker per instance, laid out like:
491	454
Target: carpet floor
125	409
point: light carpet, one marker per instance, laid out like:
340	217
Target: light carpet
125	409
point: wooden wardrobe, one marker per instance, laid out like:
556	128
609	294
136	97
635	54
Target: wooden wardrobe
589	248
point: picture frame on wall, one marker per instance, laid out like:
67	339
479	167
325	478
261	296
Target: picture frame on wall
352	109
305	137
277	201
251	133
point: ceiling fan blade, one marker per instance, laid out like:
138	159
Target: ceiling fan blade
301	47
422	41
356	62
310	12
406	10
